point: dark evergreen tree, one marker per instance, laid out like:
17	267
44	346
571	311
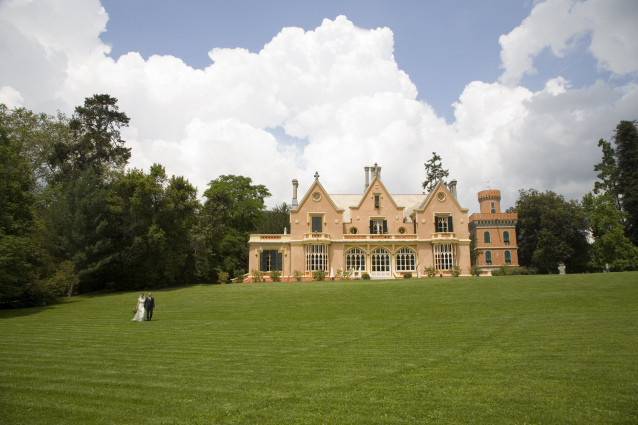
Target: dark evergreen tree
626	139
434	172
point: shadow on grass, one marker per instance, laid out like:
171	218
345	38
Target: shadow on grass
19	311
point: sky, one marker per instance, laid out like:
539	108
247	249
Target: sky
512	94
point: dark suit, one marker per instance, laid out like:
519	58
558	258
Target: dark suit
149	305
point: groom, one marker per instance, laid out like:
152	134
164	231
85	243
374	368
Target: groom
149	305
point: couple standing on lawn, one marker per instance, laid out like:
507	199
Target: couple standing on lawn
144	308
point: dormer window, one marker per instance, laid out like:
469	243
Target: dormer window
317	224
377	200
443	224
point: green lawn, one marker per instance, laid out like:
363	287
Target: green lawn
511	350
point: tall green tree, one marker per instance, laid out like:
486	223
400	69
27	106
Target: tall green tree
607	173
232	209
611	247
18	256
434	172
96	142
551	230
626	139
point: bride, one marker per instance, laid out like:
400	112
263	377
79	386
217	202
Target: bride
139	310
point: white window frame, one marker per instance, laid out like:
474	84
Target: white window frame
316	258
405	259
442	219
356	260
380	261
444	256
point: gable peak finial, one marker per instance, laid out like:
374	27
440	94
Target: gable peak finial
316	175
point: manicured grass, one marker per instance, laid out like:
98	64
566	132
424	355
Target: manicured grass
526	350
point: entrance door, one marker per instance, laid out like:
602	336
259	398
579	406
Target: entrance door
380	264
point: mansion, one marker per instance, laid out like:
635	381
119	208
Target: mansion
382	234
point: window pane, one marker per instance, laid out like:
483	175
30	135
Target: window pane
317	224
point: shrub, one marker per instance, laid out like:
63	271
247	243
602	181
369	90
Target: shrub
275	276
476	271
407	275
456	271
298	275
223	277
257	276
365	276
429	271
318	275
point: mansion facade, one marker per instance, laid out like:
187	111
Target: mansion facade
379	233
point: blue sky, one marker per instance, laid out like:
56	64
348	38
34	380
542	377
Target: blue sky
442	45
534	85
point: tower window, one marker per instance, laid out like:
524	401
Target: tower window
506	237
488	257
487	238
508	257
493	207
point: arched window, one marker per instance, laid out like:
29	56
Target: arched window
508	257
487	238
380	262
405	260
488	257
506	237
316	257
356	259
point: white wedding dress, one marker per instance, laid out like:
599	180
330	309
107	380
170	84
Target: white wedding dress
140	313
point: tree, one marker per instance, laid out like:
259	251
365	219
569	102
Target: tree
611	247
233	208
626	139
551	230
434	172
275	220
19	266
607	173
95	143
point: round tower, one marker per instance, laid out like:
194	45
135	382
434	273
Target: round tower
490	201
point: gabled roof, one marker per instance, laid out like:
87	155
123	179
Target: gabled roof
376	179
407	201
428	199
312	187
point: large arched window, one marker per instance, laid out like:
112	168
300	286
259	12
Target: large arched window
488	257
316	257
380	262
508	257
356	259
506	237
405	260
487	238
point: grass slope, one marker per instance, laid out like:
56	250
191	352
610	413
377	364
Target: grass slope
517	349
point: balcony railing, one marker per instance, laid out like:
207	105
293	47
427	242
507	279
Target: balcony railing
383	236
269	238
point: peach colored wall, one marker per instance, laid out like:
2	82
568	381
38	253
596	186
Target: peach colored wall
298	262
425	218
463	258
394	215
300	219
253	258
426	259
336	258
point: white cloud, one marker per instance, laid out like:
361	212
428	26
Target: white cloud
557	24
337	87
11	97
